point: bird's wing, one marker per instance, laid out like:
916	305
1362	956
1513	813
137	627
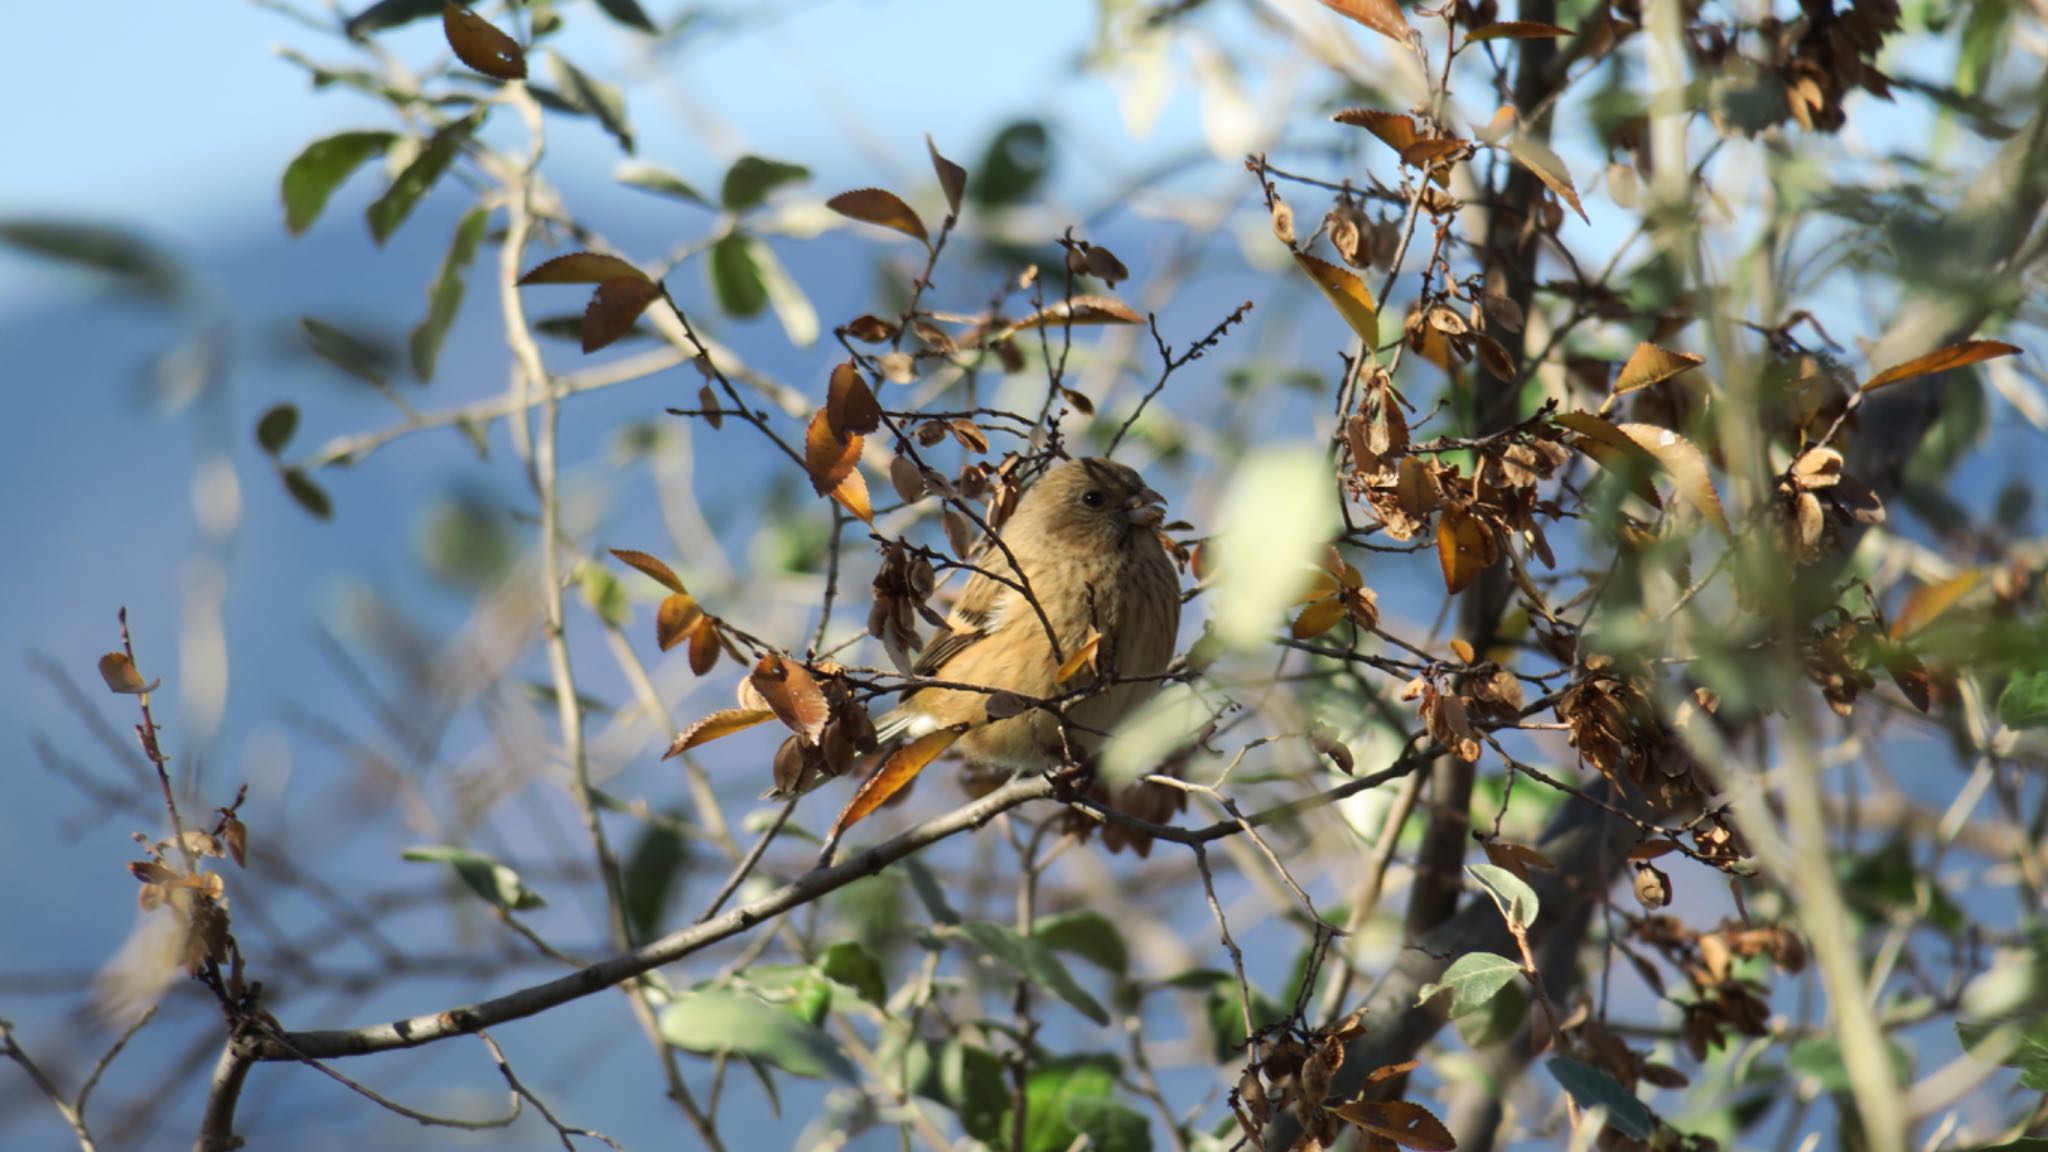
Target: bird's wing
977	614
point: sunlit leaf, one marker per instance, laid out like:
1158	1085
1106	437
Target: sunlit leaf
1924	604
1515	899
1548	167
1465	547
1319	617
652	567
880	207
1081	659
952	177
1276	519
614	308
752	179
1472	980
713	1020
319	169
658	180
1382	16
675	619
479	44
852	495
1649	364
716	726
391	209
494	882
580	268
1348	294
897	770
829	456
1953	356
1615	450
444	295
2023	704
120	675
1686	465
592	98
1516	30
793	694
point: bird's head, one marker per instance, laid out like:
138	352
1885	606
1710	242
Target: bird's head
1093	502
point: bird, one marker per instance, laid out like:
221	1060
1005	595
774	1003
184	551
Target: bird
1086	542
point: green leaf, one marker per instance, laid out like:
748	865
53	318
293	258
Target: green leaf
736	276
856	967
1593	1088
1015	165
629	13
1035	962
2024	703
1515	899
463	541
274	430
133	261
751	179
973	1082
929	893
1072	1098
444	295
658	180
716	1020
605	595
309	495
648	881
1472	980
390	210
592	98
1089	935
1225	1014
390	14
350	353
319	169
489	879
1821	1058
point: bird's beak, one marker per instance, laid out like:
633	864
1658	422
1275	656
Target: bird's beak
1147	509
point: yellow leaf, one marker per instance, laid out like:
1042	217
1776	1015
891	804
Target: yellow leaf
1382	16
716	726
1927	602
1537	157
1465	547
1083	658
896	771
1649	364
1348	294
852	495
1687	466
120	674
651	567
829	455
880	207
1319	617
1953	356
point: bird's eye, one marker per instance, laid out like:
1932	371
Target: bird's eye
1092	498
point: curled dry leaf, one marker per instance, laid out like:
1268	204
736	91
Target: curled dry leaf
676	620
1649	364
792	694
896	772
480	45
120	674
580	268
1516	30
716	726
1953	356
829	455
615	307
883	208
1382	16
1079	310
907	478
952	177
850	403
1348	294
648	565
236	834
1283	221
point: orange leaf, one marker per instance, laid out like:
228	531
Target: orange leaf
852	495
580	268
881	207
1516	30
828	455
1927	602
120	674
896	771
1649	364
1396	129
1953	356
849	402
480	45
1081	659
792	694
1348	294
952	177
704	647
1465	547
1382	16
1080	310
1537	157
676	619
1409	1125
614	307
648	565
716	726
1615	451
1319	617
1687	466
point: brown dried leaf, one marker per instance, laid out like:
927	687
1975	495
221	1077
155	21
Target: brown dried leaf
1516	30
1348	294
1953	356
1651	849
480	45
1653	887
236	834
1283	221
704	647
1382	16
676	619
615	307
1397	130
907	478
952	177
850	403
580	268
895	773
120	674
1079	310
649	566
1319	617
1614	449
1407	1124
880	207
1387	1072
1465	547
829	456
1537	157
707	402
869	329
792	694
1687	466
1080	660
1649	364
716	726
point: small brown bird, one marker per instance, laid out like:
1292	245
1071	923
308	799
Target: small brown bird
1086	537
